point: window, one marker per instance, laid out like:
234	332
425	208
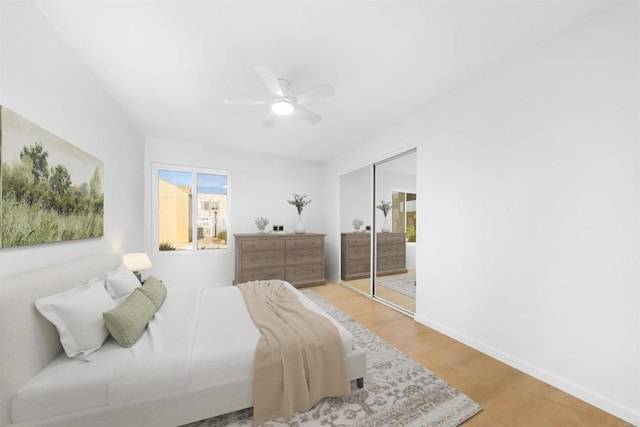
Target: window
191	207
403	214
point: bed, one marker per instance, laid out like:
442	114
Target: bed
178	372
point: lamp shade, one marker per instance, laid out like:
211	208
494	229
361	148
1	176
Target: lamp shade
136	262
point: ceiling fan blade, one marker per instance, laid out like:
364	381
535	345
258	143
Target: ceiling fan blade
244	102
269	121
270	80
314	93
307	115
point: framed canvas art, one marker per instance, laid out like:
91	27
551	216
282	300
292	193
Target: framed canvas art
51	190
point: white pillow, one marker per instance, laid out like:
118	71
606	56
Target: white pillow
77	315
121	282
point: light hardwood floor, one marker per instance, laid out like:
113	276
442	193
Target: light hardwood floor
509	397
397	298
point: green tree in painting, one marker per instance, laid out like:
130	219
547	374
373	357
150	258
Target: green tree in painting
42	205
17	179
38	156
95	192
95	184
60	180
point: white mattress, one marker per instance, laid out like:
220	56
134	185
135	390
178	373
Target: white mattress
200	337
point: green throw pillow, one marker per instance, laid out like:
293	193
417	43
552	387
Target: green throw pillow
127	321
155	290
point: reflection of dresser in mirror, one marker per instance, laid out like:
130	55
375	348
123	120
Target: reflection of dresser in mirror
355	253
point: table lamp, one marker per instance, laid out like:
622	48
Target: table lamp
136	262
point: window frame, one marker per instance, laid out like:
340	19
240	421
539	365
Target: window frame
194	170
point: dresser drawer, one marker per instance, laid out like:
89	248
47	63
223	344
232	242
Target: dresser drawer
261	244
391	263
359	266
364	240
262	259
390	239
309	256
302	272
391	250
359	252
262	274
304	243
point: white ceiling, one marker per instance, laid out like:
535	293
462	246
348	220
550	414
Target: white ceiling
170	64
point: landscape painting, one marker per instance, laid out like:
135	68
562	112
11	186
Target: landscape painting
51	190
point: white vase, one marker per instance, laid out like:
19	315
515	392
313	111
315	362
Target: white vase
386	228
299	226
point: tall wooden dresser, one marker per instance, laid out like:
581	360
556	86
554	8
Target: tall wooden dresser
296	258
391	255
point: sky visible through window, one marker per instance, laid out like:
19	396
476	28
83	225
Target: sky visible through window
207	183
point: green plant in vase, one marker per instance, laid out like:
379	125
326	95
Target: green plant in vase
299	202
385	207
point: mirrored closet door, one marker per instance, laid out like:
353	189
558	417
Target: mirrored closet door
395	219
356	223
378	231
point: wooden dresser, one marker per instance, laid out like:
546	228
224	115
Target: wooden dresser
355	254
296	258
355	250
391	254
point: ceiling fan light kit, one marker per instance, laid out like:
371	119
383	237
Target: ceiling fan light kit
282	107
283	104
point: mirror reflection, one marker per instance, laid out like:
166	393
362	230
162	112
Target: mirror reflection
356	218
395	195
379	222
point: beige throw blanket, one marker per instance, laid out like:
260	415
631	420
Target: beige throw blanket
300	357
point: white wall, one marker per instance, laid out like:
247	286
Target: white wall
529	203
259	186
42	80
355	198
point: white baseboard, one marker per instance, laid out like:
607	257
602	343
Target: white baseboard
589	396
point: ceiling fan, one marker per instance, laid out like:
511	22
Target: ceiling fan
283	103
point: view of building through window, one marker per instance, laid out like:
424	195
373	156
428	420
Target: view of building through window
403	214
187	219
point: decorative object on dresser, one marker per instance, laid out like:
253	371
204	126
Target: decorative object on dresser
299	202
298	259
385	207
357	223
261	223
391	255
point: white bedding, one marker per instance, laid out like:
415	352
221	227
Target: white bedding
200	337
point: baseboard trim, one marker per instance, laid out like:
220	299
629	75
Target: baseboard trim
589	396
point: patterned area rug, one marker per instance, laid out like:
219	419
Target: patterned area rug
405	285
397	392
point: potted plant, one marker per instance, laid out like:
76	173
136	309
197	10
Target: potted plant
385	207
299	202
